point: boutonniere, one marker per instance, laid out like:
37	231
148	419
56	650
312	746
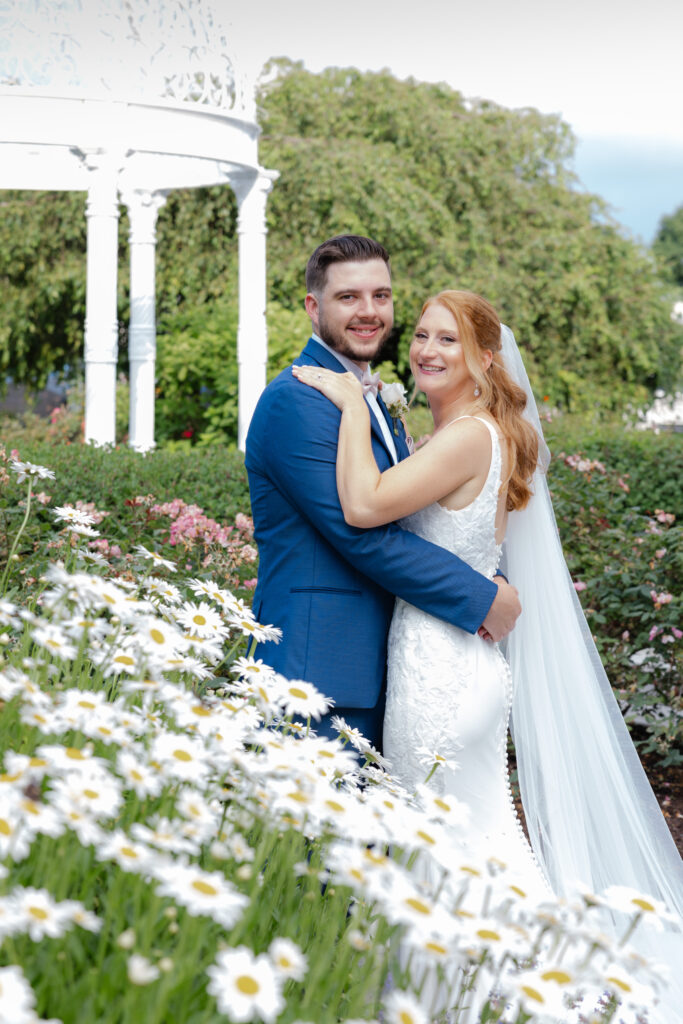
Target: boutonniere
394	397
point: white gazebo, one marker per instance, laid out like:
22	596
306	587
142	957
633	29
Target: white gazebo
126	100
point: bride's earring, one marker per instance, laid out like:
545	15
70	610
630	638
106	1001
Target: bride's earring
477	391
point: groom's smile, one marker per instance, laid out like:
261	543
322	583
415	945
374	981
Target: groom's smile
354	312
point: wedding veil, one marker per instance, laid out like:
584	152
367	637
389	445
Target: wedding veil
593	819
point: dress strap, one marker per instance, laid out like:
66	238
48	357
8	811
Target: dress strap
482	419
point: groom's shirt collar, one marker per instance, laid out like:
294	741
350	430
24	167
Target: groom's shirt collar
347	363
371	399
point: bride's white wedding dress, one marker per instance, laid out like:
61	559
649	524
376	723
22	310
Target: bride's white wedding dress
450	692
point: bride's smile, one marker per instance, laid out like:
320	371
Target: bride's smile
439	364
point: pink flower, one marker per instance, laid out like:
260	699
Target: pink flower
676	632
43	498
660	599
664	517
250	584
579	586
245	524
660	552
626	635
654	631
624	486
667	638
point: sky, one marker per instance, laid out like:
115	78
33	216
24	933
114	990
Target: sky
612	70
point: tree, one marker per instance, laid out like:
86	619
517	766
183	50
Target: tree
668	246
464	193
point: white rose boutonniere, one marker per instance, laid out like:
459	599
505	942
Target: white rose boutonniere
394	397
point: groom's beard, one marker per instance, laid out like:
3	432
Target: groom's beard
352	348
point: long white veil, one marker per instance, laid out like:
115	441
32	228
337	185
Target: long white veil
592	816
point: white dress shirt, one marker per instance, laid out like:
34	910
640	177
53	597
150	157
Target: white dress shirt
371	399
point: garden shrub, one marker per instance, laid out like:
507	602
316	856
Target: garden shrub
617	498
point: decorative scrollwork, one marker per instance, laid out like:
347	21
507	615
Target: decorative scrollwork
171	49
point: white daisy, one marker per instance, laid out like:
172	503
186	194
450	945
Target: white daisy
161	588
82	531
300	698
17	999
138	775
95	793
29	471
288	959
155	557
206	893
403	1008
245	986
542	992
165	834
129	855
631	901
201	620
183	756
69	514
141	971
39	915
55	640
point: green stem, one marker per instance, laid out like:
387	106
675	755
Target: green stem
24	521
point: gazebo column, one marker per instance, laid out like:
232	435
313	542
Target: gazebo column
101	328
143	208
252	337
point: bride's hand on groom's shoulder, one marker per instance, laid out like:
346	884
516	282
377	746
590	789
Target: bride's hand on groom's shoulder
502	614
344	389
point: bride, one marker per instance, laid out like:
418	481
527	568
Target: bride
478	489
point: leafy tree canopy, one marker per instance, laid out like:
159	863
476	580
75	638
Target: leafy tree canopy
464	193
668	246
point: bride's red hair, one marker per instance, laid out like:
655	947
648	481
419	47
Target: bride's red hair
478	332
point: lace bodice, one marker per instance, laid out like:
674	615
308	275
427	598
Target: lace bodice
470	532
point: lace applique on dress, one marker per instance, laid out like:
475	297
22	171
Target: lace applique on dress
450	692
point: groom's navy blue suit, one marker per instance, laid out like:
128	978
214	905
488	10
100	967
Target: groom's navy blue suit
329	586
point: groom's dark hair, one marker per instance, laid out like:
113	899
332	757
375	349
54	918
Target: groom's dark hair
341	249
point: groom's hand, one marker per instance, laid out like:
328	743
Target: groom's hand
503	612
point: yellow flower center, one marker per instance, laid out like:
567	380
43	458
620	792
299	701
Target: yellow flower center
199	619
296	691
620	983
124	659
427	838
86	704
74	754
247	985
38	913
644	905
128	851
533	993
488	933
5	828
201	711
561	977
182	755
436	947
205	888
415	904
157	636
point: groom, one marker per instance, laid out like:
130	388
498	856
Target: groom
330	587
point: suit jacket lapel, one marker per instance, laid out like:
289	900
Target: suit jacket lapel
396	428
316	354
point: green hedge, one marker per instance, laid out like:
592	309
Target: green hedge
617	497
